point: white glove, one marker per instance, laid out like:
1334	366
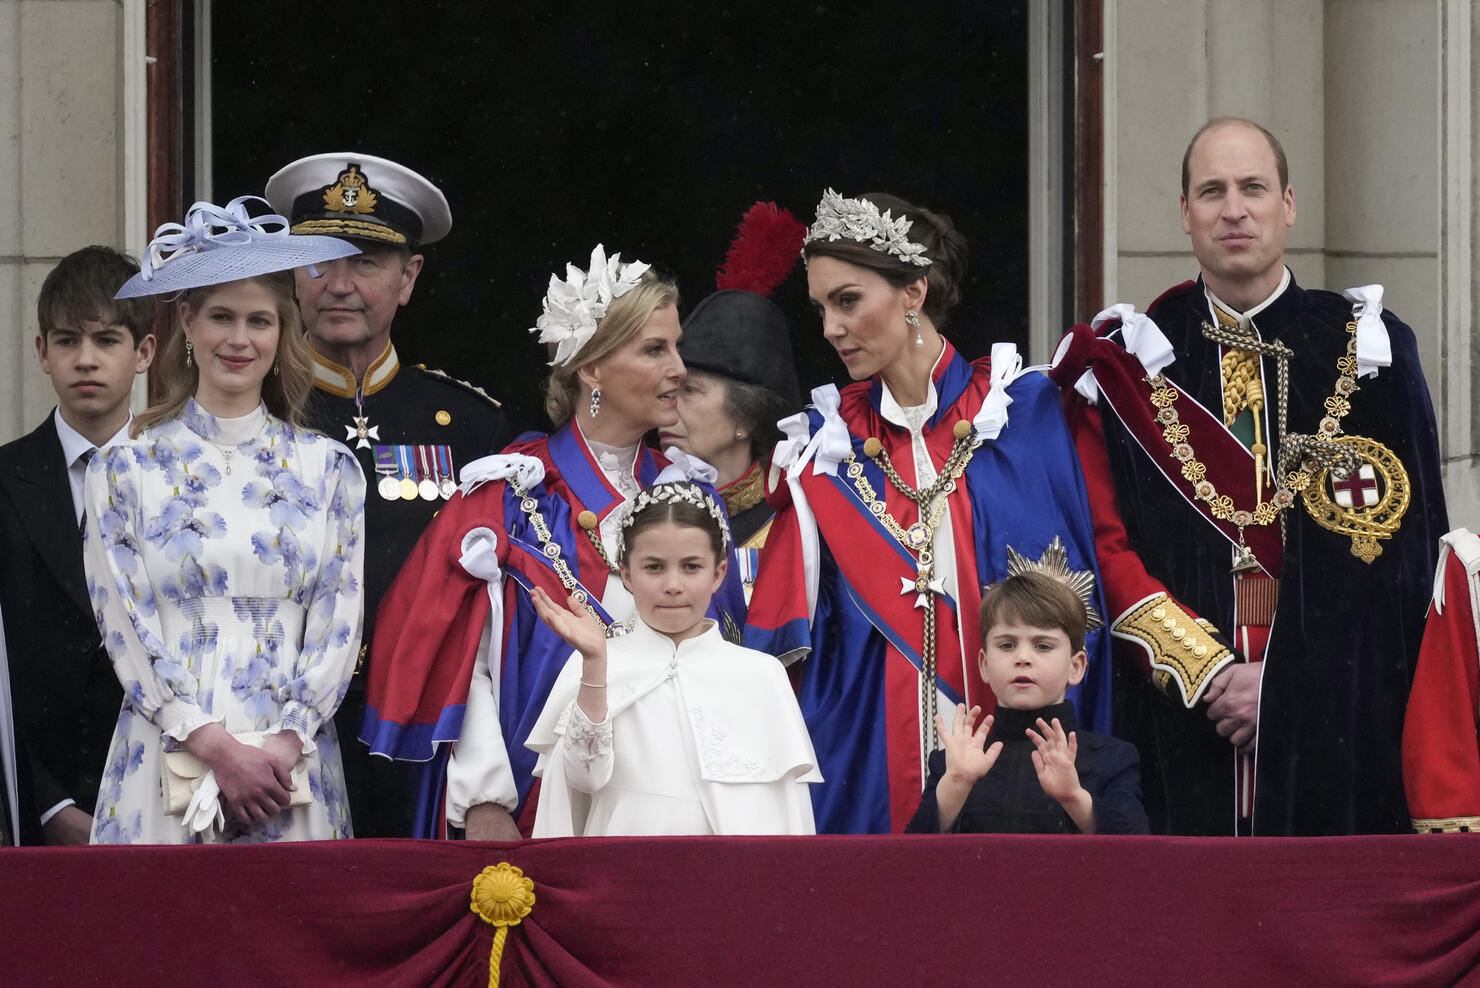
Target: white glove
204	810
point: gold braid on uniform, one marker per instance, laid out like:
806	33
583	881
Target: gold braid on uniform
746	491
1239	368
1181	648
1448	825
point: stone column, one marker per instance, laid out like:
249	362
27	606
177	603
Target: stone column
62	152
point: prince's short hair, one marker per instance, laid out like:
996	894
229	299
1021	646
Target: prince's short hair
81	287
1037	600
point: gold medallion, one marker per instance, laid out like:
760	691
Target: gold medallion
444	417
408	489
1369	504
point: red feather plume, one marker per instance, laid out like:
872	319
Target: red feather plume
765	249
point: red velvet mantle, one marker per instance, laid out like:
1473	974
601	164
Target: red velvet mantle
715	911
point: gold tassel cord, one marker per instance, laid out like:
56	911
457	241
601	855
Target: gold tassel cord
502	896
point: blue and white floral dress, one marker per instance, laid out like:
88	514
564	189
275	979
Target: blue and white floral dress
224	562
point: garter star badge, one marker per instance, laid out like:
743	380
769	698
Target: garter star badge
1055	563
1369	504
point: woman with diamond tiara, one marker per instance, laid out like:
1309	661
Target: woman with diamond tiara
460	659
928	478
669	729
224	554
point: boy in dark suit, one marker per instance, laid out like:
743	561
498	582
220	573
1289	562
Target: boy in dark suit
65	694
1027	769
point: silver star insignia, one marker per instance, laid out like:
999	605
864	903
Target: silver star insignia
361	430
921	586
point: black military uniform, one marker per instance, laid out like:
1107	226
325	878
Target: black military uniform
417	425
411	428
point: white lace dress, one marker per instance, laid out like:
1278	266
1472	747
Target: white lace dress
702	737
224	561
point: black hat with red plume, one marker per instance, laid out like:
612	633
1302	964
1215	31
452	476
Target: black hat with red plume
738	332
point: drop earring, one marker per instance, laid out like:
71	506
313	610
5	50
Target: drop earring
189	349
274	368
595	402
913	318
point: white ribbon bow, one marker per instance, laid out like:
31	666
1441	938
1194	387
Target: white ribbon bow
682	466
1007	366
524	471
830	444
1374	349
796	432
1140	336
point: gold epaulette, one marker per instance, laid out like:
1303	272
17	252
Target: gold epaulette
1181	649
1448	825
442	375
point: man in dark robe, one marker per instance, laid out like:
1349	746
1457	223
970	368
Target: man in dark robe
1263	469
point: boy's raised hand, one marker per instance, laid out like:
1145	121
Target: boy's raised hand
1053	758
965	758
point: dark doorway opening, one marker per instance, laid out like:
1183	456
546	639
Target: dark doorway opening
649	128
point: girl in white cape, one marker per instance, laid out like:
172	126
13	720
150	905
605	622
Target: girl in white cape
669	728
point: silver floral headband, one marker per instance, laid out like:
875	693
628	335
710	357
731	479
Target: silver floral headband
573	307
860	220
677	492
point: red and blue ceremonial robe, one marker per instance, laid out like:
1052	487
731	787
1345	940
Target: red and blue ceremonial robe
457	636
1441	733
832	582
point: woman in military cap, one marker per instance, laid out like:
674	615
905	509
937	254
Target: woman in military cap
741	377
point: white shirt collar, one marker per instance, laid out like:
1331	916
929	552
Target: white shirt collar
74	443
1244	317
893	411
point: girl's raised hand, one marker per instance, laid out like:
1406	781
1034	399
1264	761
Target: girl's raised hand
573	622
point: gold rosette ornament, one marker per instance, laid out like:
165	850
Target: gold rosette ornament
501	897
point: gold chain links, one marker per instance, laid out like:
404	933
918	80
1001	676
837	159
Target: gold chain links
918	538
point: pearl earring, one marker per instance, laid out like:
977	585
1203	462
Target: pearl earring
913	318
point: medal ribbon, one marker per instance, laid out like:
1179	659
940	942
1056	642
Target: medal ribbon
385	461
403	460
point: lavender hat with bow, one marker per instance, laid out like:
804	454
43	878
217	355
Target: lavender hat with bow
217	244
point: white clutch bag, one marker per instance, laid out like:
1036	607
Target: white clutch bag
180	774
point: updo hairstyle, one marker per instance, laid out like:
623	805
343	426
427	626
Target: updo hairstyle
624	317
943	243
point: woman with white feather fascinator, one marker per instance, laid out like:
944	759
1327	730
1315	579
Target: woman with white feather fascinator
461	665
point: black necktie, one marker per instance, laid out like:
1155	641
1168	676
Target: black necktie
85	457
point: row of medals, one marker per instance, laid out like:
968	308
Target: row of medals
406	489
399	487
